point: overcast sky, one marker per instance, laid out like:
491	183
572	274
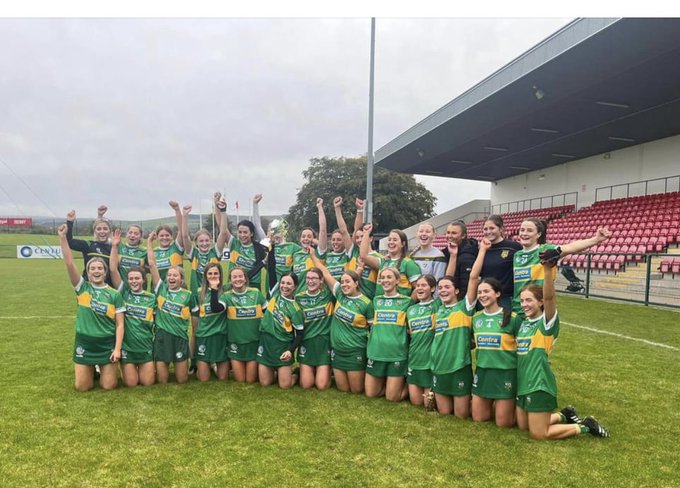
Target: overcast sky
134	112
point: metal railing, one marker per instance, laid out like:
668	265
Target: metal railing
548	201
639	188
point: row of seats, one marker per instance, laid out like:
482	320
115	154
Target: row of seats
670	265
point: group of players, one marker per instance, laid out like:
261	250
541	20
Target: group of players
399	325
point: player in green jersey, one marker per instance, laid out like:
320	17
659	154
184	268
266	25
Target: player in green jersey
211	329
130	253
245	309
494	385
314	354
368	275
397	251
302	261
170	250
136	364
281	334
527	268
420	318
99	321
536	385
352	316
387	347
175	304
451	361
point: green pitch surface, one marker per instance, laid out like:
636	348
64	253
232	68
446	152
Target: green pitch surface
227	434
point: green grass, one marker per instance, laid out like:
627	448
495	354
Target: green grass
219	434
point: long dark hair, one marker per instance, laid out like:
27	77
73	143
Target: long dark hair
260	250
541	227
498	288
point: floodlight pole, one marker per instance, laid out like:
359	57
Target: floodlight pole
369	156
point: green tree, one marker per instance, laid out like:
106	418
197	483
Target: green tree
399	201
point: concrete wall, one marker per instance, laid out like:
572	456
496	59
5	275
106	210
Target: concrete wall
655	159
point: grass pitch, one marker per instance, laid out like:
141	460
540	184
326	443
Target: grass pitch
227	434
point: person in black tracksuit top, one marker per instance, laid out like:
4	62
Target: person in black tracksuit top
100	247
468	249
498	259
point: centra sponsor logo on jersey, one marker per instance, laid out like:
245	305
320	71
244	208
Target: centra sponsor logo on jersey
315	313
523	345
522	274
280	260
246	313
421	324
244	261
336	270
129	262
488	341
391	317
279	316
172	308
344	314
135	311
440	326
163	263
99	307
205	309
300	268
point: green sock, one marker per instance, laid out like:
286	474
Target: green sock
584	429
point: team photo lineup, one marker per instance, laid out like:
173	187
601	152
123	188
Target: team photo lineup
328	310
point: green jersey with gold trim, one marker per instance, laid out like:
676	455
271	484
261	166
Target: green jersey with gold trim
495	346
409	273
303	263
420	318
198	262
97	308
317	310
535	342
351	319
166	257
281	317
209	322
244	314
130	257
528	270
451	342
369	276
139	314
173	309
388	339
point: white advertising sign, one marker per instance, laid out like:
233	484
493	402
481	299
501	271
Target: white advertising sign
38	252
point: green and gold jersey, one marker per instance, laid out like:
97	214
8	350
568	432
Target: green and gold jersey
168	257
281	317
139	313
336	262
283	256
420	318
388	339
198	262
210	323
528	270
408	269
495	346
97	308
317	310
303	263
129	257
369	276
244	314
173	309
451	342
535	341
351	318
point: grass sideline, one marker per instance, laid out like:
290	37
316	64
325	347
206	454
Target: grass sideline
243	435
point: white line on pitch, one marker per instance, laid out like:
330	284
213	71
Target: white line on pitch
621	336
32	317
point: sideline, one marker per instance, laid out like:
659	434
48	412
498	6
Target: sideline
33	317
621	336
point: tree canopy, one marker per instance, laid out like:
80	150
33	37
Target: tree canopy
399	201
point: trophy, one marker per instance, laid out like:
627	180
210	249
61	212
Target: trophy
277	232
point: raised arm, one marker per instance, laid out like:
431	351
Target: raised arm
601	235
151	259
323	226
178	217
365	248
257	222
549	304
223	220
328	278
75	244
73	273
223	235
473	281
359	217
186	241
113	260
342	225
453	259
101	210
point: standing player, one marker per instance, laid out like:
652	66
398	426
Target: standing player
451	361
175	304
527	266
494	385
420	319
130	253
302	261
536	385
245	309
281	334
368	276
99	248
352	317
137	353
99	321
499	258
314	355
170	250
397	250
466	253
429	259
388	341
